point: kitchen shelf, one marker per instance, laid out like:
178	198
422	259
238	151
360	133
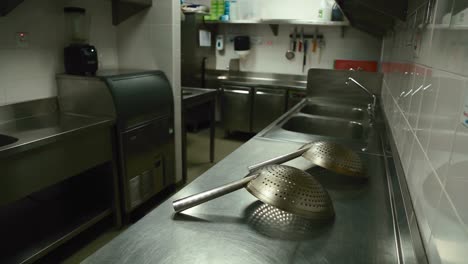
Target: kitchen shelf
45	226
282	22
40	222
274	23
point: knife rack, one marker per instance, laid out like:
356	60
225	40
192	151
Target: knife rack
307	36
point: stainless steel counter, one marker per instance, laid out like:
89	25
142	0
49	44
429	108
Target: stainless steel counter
42	129
237	229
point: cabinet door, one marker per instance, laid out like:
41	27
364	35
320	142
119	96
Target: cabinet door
269	104
237	108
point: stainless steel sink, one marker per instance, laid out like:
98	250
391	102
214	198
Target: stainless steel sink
325	127
345	112
6	140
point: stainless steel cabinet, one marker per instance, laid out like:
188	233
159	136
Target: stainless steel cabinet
237	108
269	104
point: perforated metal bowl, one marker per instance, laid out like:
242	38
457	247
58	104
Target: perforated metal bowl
291	190
335	157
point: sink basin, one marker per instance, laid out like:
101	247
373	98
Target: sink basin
325	127
345	112
6	140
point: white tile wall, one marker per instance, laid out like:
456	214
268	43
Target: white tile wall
424	94
268	51
29	73
151	40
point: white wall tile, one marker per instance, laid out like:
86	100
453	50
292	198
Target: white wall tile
445	119
457	177
428	106
436	169
449	239
416	96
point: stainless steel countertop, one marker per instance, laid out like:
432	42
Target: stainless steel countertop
236	229
265	83
197	92
40	130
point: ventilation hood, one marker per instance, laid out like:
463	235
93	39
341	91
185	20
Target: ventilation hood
374	16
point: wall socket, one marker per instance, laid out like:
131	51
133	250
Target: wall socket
22	40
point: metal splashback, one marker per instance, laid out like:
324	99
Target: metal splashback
28	109
331	84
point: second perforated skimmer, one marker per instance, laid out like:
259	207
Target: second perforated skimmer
328	155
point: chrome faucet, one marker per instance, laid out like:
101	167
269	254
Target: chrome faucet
370	107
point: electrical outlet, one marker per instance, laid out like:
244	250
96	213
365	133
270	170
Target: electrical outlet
22	40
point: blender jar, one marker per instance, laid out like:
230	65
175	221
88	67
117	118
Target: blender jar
77	25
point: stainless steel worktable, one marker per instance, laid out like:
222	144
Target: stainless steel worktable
191	98
237	229
42	129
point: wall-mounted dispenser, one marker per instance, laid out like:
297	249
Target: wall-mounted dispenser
220	42
242	46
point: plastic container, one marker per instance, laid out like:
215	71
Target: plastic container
234	10
324	12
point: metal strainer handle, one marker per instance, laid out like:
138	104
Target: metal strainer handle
196	199
279	160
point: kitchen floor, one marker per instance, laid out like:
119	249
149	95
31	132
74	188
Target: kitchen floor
198	162
198	149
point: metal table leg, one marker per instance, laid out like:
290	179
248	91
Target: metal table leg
212	130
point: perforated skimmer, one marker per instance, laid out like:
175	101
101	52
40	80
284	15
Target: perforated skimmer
284	187
328	155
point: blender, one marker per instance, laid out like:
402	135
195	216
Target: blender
80	57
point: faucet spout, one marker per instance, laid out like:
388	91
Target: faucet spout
374	98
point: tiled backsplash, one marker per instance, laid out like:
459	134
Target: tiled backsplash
424	91
29	73
268	51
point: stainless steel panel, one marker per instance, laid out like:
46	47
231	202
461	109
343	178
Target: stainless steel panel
195	59
269	104
325	127
85	95
37	131
341	111
355	134
28	109
237	108
235	229
40	167
146	161
330	84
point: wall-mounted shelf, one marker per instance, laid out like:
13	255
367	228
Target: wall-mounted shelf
123	9
274	23
7	5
